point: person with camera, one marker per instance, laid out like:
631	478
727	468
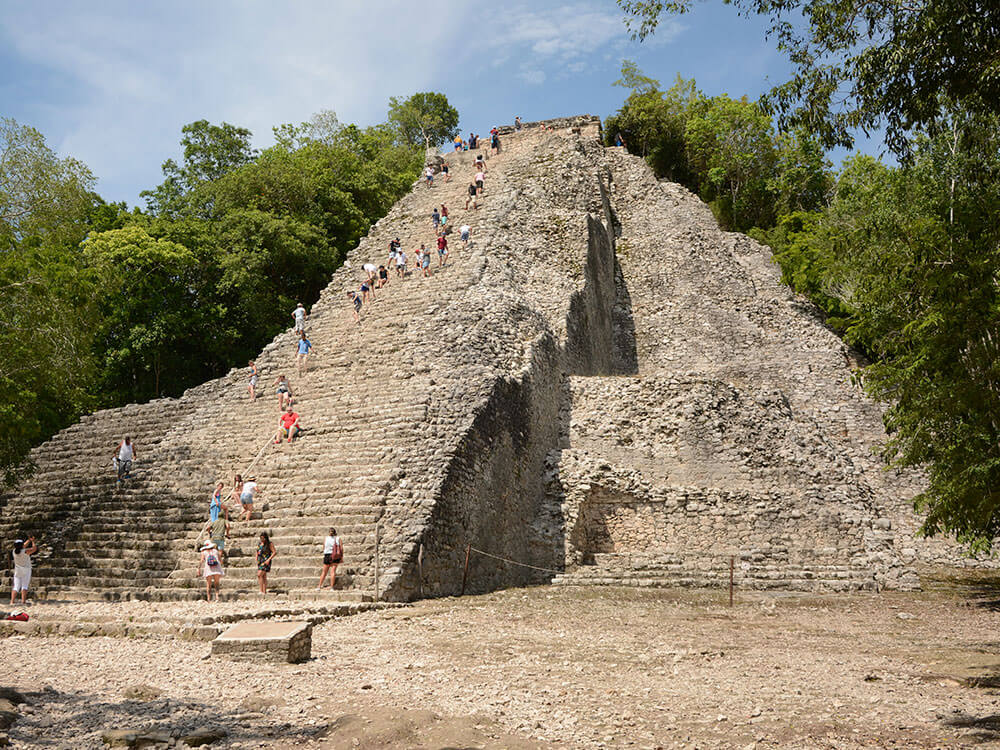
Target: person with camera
21	556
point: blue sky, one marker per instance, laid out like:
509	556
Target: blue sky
111	83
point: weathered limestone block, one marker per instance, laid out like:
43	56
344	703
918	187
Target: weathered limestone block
266	641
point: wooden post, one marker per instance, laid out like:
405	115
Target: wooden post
377	530
732	562
465	574
420	570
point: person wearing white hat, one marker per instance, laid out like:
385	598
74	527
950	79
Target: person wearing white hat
300	315
21	555
211	568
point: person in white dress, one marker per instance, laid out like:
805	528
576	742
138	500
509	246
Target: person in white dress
210	567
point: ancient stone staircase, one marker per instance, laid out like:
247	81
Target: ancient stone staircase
360	417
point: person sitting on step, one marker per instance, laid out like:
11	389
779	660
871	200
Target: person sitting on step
288	425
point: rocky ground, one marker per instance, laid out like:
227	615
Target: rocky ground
550	667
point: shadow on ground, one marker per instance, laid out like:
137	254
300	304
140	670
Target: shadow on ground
51	719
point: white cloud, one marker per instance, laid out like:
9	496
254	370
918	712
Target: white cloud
532	76
563	33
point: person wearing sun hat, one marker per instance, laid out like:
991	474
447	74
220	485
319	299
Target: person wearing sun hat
210	567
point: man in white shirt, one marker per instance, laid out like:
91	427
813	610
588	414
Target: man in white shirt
300	316
464	234
123	459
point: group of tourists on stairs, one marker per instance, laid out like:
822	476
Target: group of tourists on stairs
377	276
217	528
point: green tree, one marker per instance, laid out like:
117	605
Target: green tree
802	178
46	310
210	151
652	122
730	146
860	64
41	195
148	305
424	118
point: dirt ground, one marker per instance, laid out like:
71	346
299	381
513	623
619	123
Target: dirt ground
558	667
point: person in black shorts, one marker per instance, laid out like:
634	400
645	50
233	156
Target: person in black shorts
356	299
444	171
473	192
333	555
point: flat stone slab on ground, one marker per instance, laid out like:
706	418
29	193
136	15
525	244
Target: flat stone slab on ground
266	641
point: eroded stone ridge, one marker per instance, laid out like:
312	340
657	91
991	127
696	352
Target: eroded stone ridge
603	380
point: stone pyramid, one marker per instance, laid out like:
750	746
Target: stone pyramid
603	386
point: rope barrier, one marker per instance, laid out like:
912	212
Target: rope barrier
260	454
515	562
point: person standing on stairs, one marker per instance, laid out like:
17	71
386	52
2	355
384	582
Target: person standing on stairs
367	290
333	555
21	557
123	459
429	176
252	386
480	180
394	246
425	261
245	492
400	263
284	390
442	250
300	316
445	172
463	233
302	358
216	506
444	219
265	556
210	566
217	532
371	269
288	425
473	193
355	299
435	220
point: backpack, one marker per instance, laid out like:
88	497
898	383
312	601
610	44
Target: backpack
338	551
212	560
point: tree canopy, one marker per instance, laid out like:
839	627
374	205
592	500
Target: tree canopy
424	119
868	64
